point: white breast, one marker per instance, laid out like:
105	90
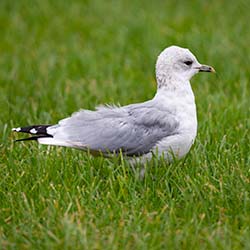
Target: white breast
183	105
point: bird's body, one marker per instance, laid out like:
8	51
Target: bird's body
166	125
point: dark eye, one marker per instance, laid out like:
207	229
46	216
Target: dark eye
188	62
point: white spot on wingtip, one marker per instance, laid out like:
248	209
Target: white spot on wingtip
16	129
33	131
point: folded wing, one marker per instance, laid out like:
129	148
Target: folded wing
133	129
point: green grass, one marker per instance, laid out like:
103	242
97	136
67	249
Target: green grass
57	57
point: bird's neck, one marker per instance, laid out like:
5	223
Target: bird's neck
184	95
173	83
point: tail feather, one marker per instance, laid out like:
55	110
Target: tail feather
39	131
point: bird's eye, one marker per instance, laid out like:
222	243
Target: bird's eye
188	62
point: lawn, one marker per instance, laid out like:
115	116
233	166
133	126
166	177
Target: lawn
59	56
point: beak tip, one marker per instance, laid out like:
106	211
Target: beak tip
213	70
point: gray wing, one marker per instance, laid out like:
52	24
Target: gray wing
133	129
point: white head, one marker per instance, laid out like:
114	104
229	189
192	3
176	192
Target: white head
176	65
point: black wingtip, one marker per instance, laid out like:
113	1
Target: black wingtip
39	131
34	129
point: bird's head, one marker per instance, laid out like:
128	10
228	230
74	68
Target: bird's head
177	64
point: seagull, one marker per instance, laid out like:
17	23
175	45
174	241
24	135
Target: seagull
164	126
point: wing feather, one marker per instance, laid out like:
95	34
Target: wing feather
133	129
